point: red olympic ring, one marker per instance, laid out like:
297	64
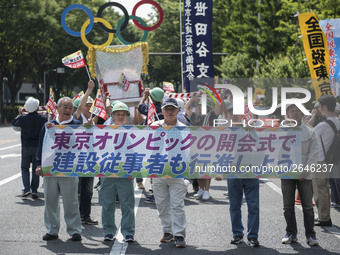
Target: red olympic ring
159	9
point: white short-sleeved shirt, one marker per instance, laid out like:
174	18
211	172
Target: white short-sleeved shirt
324	130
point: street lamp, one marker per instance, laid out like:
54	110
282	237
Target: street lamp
58	70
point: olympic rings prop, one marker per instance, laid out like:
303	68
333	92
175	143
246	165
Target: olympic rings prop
119	36
159	9
96	19
80	7
106	26
126	16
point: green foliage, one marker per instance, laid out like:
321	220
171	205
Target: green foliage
10	112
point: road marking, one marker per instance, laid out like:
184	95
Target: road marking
9	147
333	230
119	247
10	155
9	179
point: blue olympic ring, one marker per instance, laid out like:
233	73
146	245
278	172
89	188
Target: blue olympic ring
80	7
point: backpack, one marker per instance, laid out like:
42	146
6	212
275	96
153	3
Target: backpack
332	156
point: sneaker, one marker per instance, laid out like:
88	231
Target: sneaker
76	237
140	185
26	194
311	240
253	242
236	240
199	194
48	237
226	194
180	242
167	238
150	199
34	195
327	223
89	221
129	239
108	237
335	205
97	185
288	239
206	195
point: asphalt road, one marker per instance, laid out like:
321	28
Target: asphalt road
208	223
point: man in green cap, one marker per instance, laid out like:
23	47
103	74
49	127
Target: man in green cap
156	95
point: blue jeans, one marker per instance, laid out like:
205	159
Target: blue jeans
250	188
86	193
28	156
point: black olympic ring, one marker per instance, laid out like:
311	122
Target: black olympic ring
126	16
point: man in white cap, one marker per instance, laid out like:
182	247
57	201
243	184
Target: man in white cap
30	125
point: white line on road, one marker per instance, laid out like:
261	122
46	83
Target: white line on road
10	155
119	247
333	230
7	180
9	147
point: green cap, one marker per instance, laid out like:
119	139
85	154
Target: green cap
157	94
120	107
115	102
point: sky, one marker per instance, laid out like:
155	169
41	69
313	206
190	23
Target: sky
142	10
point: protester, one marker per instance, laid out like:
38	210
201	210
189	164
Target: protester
156	95
30	126
309	152
250	188
121	186
325	135
316	117
170	192
193	111
334	177
55	186
83	114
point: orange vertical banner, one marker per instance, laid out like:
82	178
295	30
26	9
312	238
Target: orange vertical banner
316	49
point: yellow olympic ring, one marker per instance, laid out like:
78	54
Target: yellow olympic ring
83	37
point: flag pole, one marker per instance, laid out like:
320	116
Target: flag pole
87	70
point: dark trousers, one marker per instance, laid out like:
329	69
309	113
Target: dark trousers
305	189
86	193
28	156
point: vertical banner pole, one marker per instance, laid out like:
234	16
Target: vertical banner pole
180	29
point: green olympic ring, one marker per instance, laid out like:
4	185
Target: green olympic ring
120	23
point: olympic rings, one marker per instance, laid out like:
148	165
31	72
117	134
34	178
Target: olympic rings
96	19
119	36
160	11
83	8
106	26
126	15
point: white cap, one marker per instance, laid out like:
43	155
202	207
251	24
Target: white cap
31	104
